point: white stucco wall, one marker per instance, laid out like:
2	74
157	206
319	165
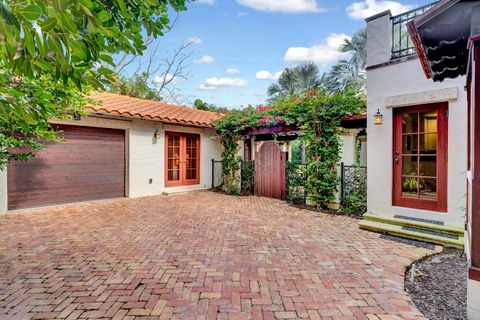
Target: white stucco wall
386	85
144	159
379	39
348	152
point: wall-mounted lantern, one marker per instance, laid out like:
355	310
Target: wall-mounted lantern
156	136
378	118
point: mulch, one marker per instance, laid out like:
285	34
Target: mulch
438	285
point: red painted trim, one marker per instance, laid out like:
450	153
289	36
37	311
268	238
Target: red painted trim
474	273
417	42
270	130
442	147
475	112
183	181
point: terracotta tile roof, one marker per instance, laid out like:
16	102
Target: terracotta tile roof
119	105
360	116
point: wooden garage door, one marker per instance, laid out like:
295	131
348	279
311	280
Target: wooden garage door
89	165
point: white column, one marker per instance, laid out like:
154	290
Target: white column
290	155
3	192
252	148
349	152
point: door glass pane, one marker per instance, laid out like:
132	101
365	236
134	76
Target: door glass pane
428	166
410	122
409	165
428	143
428	121
173	158
410	187
191	158
428	189
173	175
191	174
410	144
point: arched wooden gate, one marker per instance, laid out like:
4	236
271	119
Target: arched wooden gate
270	171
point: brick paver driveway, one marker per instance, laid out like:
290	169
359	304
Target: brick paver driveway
198	256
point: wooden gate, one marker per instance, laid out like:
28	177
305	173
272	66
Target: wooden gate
270	171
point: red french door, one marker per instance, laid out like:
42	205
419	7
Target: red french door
420	157
182	153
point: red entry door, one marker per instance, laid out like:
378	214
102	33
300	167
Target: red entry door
182	153
420	157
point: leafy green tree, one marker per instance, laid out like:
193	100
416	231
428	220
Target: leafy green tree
201	105
136	86
53	52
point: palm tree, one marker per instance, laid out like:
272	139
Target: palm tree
346	74
295	80
350	73
307	76
357	46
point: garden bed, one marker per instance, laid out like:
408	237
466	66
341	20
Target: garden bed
438	285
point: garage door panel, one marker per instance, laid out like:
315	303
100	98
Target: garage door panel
89	165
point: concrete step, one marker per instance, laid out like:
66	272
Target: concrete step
424	224
415	233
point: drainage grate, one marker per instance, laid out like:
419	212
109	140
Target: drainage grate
433	233
419	220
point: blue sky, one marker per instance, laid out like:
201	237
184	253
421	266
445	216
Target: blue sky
241	45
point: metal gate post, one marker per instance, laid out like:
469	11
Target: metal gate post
342	179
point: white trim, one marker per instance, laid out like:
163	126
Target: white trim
423	97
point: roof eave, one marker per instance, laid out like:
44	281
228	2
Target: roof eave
417	43
116	115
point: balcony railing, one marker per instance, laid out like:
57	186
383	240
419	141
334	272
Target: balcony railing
402	45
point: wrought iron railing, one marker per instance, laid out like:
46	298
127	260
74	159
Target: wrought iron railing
402	44
247	176
353	189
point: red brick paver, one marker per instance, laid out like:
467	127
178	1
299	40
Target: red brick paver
198	256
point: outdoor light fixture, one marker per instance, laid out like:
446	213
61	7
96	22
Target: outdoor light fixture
156	136
378	118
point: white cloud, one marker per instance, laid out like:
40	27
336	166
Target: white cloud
169	77
204	59
206	1
266	75
203	87
215	83
242	14
288	6
195	40
367	8
232	71
323	54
